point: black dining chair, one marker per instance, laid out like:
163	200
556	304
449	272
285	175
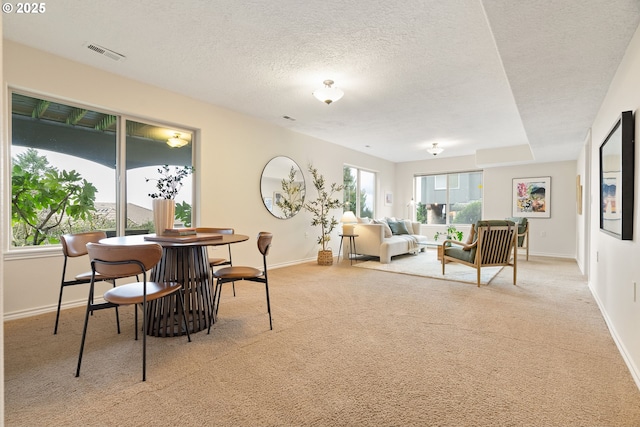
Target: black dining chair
119	261
238	273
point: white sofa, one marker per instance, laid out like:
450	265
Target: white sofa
377	240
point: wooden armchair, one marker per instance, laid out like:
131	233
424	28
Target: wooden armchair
523	233
495	245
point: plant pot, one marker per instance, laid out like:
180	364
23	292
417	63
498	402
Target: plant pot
325	257
164	212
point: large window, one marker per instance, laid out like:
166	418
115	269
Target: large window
66	161
359	191
454	198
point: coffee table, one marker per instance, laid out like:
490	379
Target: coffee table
434	244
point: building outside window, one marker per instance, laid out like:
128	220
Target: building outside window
359	191
454	198
66	160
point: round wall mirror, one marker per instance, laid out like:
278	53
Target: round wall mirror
282	187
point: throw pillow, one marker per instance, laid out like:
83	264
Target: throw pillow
398	227
385	227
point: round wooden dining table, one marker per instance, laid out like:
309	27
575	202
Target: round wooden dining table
184	260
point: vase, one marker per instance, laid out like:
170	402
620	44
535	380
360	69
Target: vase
164	211
325	257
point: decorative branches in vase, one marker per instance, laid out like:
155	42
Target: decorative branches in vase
320	209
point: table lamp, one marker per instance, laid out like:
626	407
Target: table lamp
348	220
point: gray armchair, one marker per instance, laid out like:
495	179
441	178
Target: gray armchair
494	245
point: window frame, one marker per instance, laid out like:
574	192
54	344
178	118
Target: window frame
120	184
358	181
447	190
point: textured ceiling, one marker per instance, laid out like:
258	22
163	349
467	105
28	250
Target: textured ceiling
474	76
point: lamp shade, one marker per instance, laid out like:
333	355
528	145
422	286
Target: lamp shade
435	150
328	94
347	220
176	142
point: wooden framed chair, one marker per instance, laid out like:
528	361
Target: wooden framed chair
495	245
523	232
237	273
119	261
75	245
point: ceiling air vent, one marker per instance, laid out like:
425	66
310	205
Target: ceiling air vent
106	52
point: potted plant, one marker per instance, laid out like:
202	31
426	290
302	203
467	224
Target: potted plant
451	233
320	209
164	204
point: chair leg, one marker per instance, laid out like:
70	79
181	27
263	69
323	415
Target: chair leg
55	329
184	315
266	287
212	303
135	311
113	282
144	339
219	291
84	333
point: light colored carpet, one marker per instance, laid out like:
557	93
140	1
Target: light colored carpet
349	347
426	264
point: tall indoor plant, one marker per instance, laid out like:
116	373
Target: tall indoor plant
320	209
168	186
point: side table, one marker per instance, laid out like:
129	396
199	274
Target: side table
352	246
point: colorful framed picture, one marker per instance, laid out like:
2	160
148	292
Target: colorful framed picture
532	197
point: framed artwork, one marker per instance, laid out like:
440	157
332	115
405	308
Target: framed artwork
616	179
532	197
578	196
277	197
388	198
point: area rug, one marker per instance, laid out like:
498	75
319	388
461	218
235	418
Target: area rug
426	264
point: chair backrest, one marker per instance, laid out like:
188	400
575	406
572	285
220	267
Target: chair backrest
219	230
496	239
264	242
74	245
523	226
103	258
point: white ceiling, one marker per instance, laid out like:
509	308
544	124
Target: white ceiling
469	74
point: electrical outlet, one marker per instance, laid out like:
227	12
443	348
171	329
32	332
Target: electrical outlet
543	234
306	234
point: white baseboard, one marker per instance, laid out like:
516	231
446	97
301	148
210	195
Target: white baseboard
635	372
21	314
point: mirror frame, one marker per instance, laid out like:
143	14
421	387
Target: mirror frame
275	175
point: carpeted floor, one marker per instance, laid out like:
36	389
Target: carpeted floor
426	264
350	347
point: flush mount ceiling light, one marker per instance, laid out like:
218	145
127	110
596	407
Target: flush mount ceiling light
328	94
435	150
176	142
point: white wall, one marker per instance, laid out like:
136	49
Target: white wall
2	225
613	263
232	152
548	236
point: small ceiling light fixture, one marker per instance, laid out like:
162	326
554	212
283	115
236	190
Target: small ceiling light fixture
435	150
328	94
176	142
